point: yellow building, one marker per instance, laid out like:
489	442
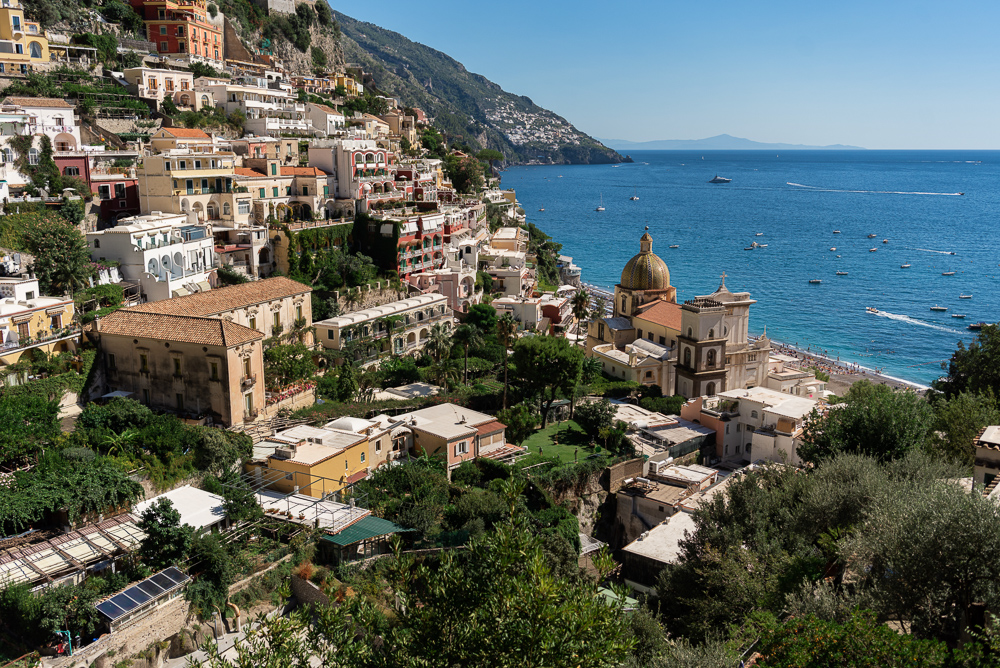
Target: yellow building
22	43
312	461
29	320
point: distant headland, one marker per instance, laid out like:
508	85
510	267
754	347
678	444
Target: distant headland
716	143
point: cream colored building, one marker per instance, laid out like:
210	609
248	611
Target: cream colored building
23	44
457	434
30	320
200	185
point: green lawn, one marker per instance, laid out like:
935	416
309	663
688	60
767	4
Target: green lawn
570	437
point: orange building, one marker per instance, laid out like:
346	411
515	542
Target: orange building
182	28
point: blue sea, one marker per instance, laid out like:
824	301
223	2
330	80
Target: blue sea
796	200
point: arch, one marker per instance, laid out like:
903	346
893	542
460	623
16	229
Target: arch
264	256
687	357
753	414
64	141
710	390
33	156
153	266
185	100
690	333
424	333
711	333
411	338
205	102
185	206
212	211
710	358
35	50
199	210
226	209
178	260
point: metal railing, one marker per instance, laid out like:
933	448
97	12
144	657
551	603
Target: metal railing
248	381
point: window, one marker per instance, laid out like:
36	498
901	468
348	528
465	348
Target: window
378	445
248	402
179	398
145	396
346	465
362	458
243	206
711	358
144	363
687	357
739	427
663	341
71	171
288	190
737	449
33	156
329	333
163	30
276	319
226	209
462	448
727	428
690	332
166	165
246	368
298	312
35	50
624	299
112	361
163	46
274	191
711	333
305	191
197	164
119	191
727	450
326	190
263	193
651	336
16	21
182	164
710	391
753	414
253	322
8	155
215	371
639	333
274	169
177	366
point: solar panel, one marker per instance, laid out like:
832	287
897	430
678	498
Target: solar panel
163	581
137	595
123	602
150	588
176	575
110	610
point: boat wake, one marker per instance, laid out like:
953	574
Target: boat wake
874	192
914	321
931	250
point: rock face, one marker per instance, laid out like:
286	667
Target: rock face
302	63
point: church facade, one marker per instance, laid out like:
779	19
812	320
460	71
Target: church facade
697	348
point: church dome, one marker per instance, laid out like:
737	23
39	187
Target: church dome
646	271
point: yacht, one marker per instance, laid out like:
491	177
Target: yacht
600	207
815	280
947	273
939	308
976	326
720	179
957	315
759	234
542	209
872	236
833	248
836	231
905	266
965	296
872	250
841	273
885	241
675	246
634	197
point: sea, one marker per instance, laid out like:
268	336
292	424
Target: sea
937	211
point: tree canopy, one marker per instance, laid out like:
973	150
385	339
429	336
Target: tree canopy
546	366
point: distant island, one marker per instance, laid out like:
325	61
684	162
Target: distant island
716	143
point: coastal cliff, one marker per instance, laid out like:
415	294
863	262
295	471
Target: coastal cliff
466	107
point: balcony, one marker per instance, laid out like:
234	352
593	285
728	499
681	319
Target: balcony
250	415
201	191
54	336
248	381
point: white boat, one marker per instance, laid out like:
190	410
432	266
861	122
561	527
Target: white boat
939	308
885	241
815	280
947	273
957	315
720	179
965	296
675	246
542	209
634	197
833	248
600	207
872	236
904	266
841	273
872	250
759	234
761	245
836	231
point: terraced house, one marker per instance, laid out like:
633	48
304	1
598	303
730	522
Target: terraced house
183	28
22	43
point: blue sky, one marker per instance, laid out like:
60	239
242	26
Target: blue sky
874	74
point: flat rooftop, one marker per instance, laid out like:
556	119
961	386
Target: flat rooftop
662	542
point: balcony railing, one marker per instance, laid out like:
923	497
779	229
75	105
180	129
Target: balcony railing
250	415
248	381
211	190
54	335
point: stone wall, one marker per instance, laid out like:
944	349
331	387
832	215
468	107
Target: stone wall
371	296
620	472
306	593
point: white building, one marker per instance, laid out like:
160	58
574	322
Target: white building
270	107
161	252
327	120
159	84
785	375
51	117
364	171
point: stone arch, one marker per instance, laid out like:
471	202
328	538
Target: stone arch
199	210
710	390
185	206
424	333
212	211
411	338
185	100
226	209
687	357
64	141
264	256
710	358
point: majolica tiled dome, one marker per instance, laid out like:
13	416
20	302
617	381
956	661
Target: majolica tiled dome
646	271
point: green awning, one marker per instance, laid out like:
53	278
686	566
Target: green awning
369	527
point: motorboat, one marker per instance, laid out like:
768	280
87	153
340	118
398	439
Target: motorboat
957	315
761	245
720	179
872	236
947	273
833	248
872	250
904	266
600	207
939	308
675	246
976	326
885	241
749	247
836	231
759	234
815	280
872	309
542	209
965	296
841	273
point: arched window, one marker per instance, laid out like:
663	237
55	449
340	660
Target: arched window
624	301
35	49
711	333
753	414
33	156
710	391
711	358
690	333
687	357
204	101
97	243
226	209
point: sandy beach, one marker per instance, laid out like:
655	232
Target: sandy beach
843	374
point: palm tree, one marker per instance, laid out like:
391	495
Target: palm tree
445	372
466	336
581	309
439	341
506	333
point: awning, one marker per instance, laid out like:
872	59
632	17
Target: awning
179	292
204	286
369	527
117	393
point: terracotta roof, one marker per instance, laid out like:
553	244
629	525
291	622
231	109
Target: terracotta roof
246	171
491	428
302	171
39	102
185	329
324	108
225	299
187	133
357	476
661	312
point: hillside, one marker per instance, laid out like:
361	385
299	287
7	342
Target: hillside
716	143
466	106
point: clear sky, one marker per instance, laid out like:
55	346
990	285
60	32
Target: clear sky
878	74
